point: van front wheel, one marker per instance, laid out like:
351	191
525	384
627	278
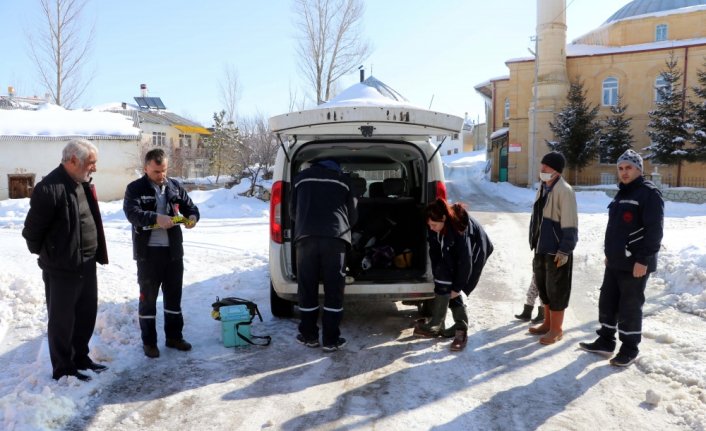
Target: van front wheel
280	307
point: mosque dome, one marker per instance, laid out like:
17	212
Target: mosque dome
640	7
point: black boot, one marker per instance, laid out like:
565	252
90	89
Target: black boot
526	314
435	325
540	315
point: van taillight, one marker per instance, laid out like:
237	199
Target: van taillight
276	213
441	190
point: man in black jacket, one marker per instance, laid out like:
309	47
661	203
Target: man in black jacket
64	227
632	239
323	209
151	204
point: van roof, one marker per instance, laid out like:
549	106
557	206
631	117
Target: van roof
368	103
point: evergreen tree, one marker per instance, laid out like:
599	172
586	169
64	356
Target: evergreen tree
668	129
223	146
697	117
616	137
576	129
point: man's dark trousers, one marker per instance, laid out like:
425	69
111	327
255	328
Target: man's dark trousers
321	258
620	308
159	269
72	304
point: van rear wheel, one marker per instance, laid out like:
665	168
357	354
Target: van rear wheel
280	307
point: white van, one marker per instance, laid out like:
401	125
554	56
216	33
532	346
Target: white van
383	143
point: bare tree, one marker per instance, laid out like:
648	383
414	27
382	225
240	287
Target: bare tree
230	93
331	43
259	147
59	50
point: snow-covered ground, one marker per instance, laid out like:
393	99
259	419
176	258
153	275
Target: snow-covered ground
384	378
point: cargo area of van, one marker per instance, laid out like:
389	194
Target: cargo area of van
388	179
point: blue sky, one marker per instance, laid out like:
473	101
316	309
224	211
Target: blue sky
430	51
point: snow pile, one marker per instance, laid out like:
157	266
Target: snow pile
385	378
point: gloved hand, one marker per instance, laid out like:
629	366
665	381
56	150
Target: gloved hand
560	259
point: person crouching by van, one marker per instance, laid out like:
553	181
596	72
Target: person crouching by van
458	249
323	210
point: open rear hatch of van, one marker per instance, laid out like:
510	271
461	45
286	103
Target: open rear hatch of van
407	123
388	178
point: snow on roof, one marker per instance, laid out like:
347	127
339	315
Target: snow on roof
52	120
579	50
651	8
370	92
501	131
110	106
610	22
575	50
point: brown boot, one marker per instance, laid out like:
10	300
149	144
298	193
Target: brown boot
460	340
544	327
555	332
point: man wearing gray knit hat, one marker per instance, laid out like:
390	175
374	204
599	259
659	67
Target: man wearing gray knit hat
630	156
632	239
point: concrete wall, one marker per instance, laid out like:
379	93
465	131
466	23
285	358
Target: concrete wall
118	163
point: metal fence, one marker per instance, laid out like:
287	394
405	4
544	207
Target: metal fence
602	179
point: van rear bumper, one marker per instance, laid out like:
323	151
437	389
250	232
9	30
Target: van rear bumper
368	292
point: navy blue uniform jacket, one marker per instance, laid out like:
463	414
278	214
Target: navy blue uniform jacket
322	204
140	207
458	258
635	224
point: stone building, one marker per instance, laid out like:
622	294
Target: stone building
623	57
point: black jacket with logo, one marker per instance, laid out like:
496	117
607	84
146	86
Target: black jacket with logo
140	207
53	229
635	225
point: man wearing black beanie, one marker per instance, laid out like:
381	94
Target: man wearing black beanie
553	236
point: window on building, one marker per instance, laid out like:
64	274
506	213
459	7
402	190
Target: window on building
660	82
455	136
603	156
184	141
610	91
159	139
661	32
455	150
507	109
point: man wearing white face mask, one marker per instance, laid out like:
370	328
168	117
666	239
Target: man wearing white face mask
553	236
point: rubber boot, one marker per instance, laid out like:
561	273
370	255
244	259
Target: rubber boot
555	332
540	315
434	326
526	314
460	315
544	327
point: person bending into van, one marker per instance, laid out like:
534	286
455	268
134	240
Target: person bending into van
458	249
323	209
